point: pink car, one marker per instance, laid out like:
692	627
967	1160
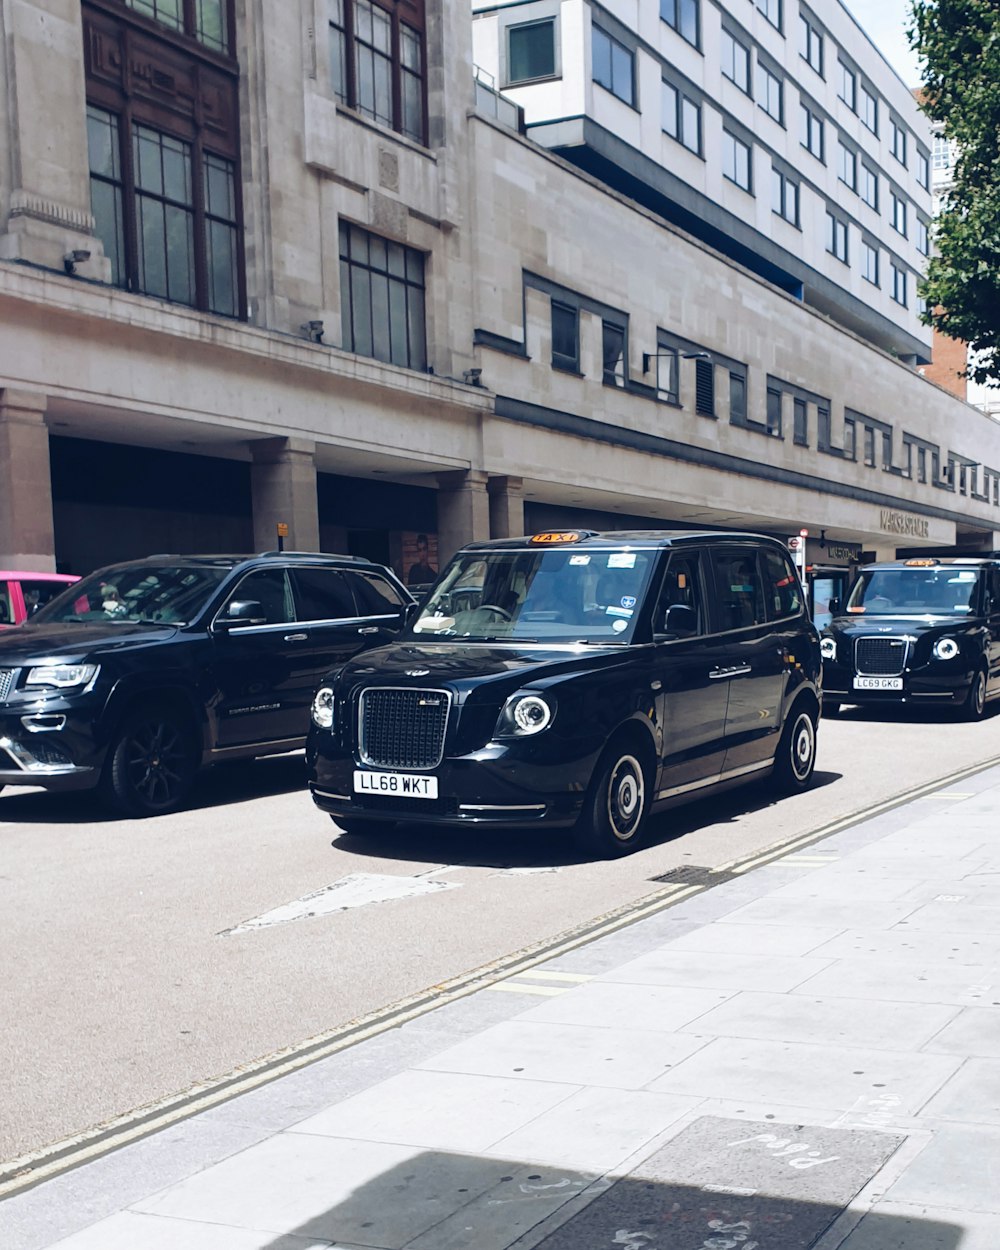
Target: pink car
22	594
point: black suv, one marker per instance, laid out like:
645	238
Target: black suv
924	630
142	672
576	679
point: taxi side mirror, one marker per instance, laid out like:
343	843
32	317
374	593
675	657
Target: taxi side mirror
241	612
680	621
411	612
835	607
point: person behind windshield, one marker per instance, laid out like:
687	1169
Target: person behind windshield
111	600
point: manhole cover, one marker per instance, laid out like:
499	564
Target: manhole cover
694	874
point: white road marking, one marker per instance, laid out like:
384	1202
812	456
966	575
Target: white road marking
356	890
514	987
556	976
523	872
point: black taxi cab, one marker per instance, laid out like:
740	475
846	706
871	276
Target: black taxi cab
576	680
918	631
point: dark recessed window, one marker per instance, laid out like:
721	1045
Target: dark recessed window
682	15
869	109
613	353
771	10
923	170
836	236
770	92
869	186
811	131
667	373
614	65
869	262
704	388
847	165
800	423
923	237
899	285
736	160
811	43
531	51
785	196
774	412
382	298
565	337
681	117
206	20
898	213
737	397
899	142
735	61
377	61
847	86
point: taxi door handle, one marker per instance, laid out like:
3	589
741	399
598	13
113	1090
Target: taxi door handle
296	637
368	629
734	670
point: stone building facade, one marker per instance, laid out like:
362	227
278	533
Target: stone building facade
270	264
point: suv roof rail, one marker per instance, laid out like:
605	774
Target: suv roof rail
324	555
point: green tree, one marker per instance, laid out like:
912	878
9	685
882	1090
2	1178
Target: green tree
958	43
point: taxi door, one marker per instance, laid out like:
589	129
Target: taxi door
691	703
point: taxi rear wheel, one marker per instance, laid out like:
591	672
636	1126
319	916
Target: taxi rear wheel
795	757
614	816
359	828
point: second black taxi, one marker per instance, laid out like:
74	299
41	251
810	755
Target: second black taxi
576	680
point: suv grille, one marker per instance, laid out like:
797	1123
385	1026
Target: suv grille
403	728
880	657
6	681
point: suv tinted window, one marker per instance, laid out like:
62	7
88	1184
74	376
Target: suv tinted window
269	588
737	580
374	594
6	611
681	586
322	595
782	596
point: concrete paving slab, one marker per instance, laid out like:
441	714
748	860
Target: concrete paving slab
808	1076
662	1009
905	980
896	1226
709	970
754	939
595	1129
974	1031
807	1018
934	948
832	913
128	1231
719	1183
439	1110
838	882
971	1096
609	1057
957	1170
965	915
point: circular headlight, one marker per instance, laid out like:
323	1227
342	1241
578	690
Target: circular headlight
531	714
828	648
946	648
322	708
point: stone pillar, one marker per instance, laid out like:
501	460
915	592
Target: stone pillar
506	507
283	485
27	538
463	511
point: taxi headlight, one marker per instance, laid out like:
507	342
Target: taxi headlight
62	676
524	715
946	649
828	648
322	708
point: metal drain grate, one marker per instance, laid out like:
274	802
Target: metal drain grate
694	874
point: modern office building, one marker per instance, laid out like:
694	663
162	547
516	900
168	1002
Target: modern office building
301	265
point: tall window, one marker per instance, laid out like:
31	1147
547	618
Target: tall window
735	61
736	160
942	154
836	236
163	151
565	337
769	92
682	15
847	165
869	185
667	372
785	196
869	262
898	142
681	117
811	131
531	51
899	285
869	109
811	43
923	169
613	66
382	298
737	396
377	61
800	422
771	10
613	353
923	237
898	214
847	86
773	412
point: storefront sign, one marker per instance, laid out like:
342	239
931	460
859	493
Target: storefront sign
904	523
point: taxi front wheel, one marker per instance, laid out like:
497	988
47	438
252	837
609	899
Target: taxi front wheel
614	815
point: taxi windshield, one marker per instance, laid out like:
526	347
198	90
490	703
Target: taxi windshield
147	594
536	595
932	591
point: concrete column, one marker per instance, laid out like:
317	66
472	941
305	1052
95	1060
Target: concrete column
506	507
463	511
283	485
27	538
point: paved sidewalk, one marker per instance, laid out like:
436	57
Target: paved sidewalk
807	1055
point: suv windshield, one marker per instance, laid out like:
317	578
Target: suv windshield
934	591
170	594
539	595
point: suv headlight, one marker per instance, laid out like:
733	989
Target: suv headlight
524	715
828	648
946	649
322	708
62	676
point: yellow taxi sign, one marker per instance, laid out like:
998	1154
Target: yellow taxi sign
282	529
924	563
551	536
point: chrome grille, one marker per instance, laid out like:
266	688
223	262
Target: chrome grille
6	681
402	728
880	657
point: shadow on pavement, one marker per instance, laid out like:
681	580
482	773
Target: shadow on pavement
479	846
907	713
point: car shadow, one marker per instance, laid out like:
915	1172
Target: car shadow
907	713
480	846
219	786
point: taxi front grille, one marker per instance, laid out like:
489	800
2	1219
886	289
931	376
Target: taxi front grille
402	728
880	657
6	681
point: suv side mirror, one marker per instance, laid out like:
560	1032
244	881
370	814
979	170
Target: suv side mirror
680	620
241	612
410	613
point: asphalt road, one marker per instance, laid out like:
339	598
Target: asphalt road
127	976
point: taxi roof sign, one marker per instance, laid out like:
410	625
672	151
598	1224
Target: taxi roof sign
925	562
547	537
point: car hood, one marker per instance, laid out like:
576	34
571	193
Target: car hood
71	643
896	625
462	666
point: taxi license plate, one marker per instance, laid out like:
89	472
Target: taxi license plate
878	683
403	785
